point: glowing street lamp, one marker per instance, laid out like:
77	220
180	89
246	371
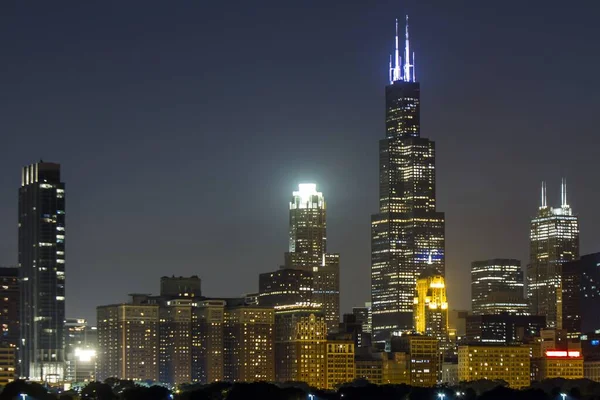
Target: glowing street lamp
563	395
441	396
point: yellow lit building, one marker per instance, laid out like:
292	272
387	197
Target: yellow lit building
7	364
340	363
207	341
566	364
508	363
431	306
175	341
383	368
128	341
249	334
310	350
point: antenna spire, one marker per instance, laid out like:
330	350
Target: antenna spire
407	74
397	74
544	204
563	193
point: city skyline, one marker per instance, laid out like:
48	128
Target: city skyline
99	181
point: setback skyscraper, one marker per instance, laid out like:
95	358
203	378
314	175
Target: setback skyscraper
554	242
407	233
42	266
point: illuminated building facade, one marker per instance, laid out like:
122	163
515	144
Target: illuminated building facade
497	287
208	320
431	306
507	363
285	287
340	363
308	249
310	342
286	323
128	341
383	368
407	235
180	287
42	268
363	316
175	341
581	295
424	361
554	241
8	361
565	364
81	343
248	340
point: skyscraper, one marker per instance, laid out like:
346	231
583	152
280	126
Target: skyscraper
497	286
407	235
308	249
581	295
554	241
42	266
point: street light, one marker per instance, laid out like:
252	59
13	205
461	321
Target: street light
563	395
311	396
441	396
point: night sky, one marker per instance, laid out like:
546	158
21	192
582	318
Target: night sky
183	127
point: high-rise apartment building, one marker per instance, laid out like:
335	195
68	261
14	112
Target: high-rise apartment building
497	287
249	337
407	234
42	268
208	320
581	295
128	341
554	241
431	306
175	341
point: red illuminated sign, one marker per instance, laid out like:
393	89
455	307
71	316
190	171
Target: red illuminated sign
561	353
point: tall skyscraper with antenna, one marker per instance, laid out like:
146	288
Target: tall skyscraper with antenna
554	241
407	234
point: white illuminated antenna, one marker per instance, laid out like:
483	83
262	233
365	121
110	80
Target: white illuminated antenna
543	194
563	193
407	65
397	61
414	69
391	71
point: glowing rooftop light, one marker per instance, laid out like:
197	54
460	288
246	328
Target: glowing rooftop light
307	197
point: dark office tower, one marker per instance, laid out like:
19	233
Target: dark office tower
177	287
407	235
42	265
554	241
497	287
285	287
308	249
581	295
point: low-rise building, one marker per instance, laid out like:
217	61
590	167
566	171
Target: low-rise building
495	362
566	364
591	370
340	363
7	364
